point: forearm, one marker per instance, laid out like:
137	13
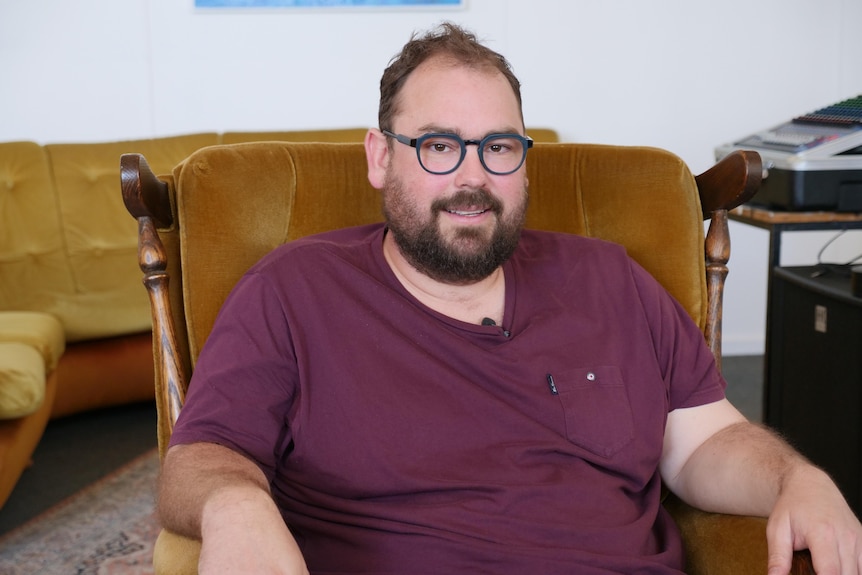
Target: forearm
741	469
207	478
213	494
716	461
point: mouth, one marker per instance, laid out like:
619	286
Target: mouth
468	204
467	213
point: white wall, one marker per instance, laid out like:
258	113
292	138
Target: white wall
685	75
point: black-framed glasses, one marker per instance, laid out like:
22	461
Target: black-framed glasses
500	154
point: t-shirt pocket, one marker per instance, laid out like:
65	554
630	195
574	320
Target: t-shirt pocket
597	409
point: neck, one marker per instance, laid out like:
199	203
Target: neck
470	302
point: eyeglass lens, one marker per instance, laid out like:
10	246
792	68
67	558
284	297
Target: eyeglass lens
441	153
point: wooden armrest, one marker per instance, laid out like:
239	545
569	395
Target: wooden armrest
144	194
148	200
717	543
731	182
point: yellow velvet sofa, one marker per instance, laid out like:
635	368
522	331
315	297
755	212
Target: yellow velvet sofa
75	328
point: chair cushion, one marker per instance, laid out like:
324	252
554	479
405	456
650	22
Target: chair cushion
31	344
645	199
175	555
611	192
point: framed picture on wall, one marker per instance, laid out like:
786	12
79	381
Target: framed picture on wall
330	3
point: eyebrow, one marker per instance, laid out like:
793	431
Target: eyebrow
437	129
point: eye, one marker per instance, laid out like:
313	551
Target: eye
441	145
500	146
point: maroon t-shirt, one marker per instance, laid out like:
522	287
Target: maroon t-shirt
399	440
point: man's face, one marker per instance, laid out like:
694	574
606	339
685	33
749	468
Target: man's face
458	227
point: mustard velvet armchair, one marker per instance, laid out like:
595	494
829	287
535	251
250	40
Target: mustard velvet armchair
224	207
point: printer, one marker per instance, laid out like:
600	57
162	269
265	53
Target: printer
812	162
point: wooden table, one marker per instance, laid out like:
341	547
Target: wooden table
778	222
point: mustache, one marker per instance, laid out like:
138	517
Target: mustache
468	199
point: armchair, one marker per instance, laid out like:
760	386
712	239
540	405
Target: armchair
224	207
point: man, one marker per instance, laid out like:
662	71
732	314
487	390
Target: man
449	393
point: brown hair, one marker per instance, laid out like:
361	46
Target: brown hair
449	40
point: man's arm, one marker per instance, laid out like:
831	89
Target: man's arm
214	494
717	461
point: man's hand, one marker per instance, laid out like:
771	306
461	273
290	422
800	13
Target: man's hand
810	513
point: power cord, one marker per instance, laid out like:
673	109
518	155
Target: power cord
824	268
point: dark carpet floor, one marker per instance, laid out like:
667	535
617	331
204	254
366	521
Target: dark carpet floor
76	451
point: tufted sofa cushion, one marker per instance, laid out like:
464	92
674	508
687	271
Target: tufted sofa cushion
31	344
67	246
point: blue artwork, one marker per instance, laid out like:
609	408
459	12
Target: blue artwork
320	3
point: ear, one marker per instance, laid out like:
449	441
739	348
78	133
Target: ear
377	155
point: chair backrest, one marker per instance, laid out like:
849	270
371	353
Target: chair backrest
224	207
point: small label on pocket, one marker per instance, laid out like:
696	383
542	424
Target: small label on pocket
552	385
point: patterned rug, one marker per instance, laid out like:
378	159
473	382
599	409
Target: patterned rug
106	529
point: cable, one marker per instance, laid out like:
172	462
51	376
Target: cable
826	245
837	268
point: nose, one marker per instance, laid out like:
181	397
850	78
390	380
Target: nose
471	171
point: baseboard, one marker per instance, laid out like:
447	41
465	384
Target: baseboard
754	345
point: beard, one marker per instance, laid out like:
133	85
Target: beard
470	254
